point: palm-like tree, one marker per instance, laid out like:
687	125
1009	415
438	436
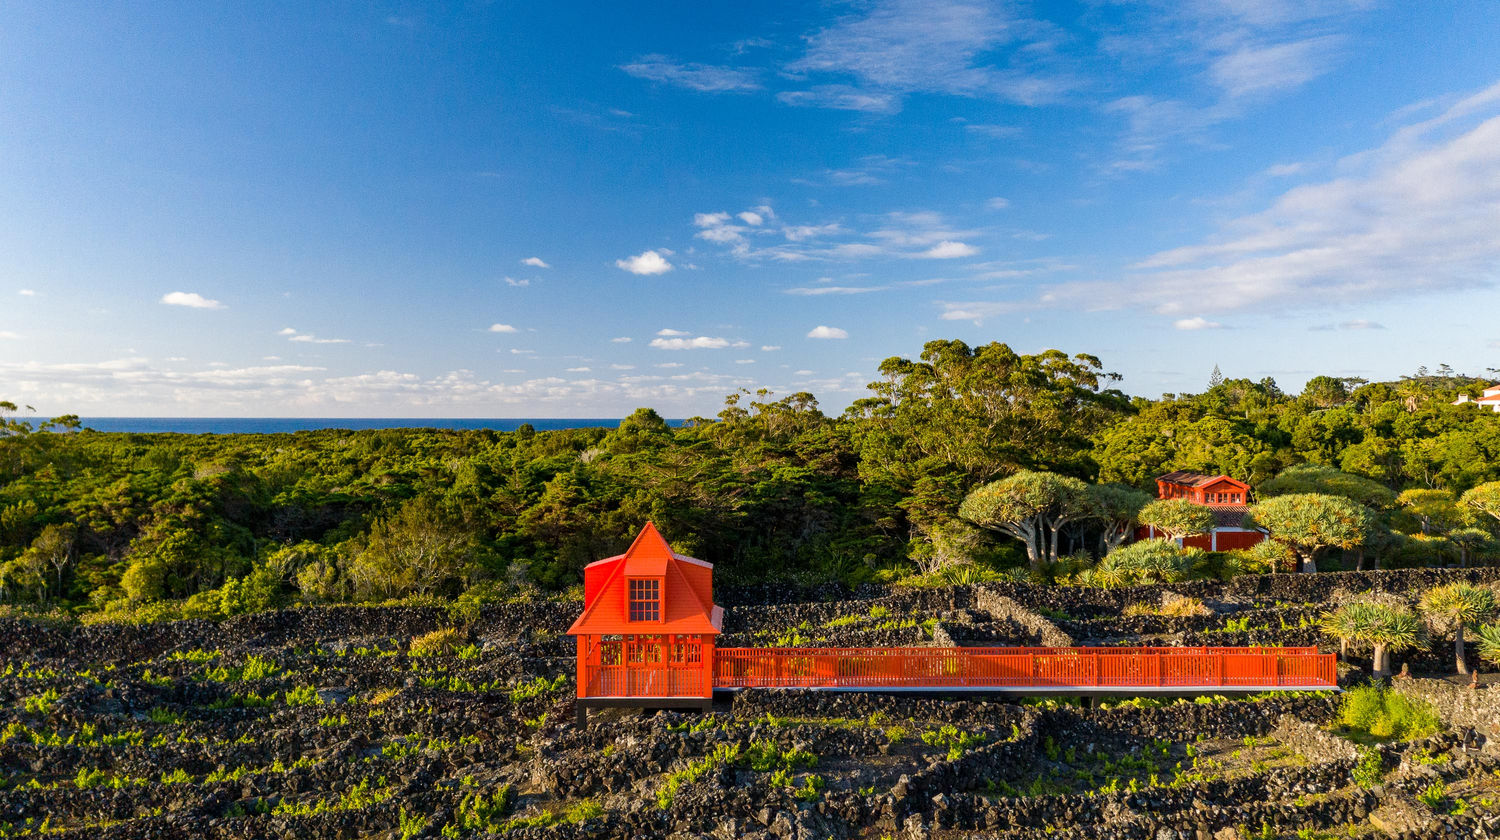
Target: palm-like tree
1386	628
1346	623
1456	607
1487	640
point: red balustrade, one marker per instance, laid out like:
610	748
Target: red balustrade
1020	668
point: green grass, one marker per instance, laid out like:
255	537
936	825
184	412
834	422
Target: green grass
695	770
304	696
41	704
362	795
955	740
253	668
159	714
480	812
764	756
536	688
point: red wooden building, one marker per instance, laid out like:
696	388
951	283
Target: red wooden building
647	629
647	638
1229	500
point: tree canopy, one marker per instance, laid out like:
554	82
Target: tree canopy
1038	448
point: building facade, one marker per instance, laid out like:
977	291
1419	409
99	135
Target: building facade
1228	498
1489	399
648	628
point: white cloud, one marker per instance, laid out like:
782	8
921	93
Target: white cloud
648	262
799	233
622	367
535	262
978	311
767	348
670	365
1361	324
308	338
516	351
578	370
1282	170
8	335
802	373
502	328
840	98
522	283
744	361
624	339
705	78
702	342
1196	323
827	332
192	300
668	331
1415	215
752	218
870	169
855	251
723	234
947	250
708	220
27	292
997	203
935	46
834	290
98	388
996	131
312	339
1262	69
1247	52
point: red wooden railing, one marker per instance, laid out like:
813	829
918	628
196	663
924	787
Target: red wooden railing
1001	668
645	681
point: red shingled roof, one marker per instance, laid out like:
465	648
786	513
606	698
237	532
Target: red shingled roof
686	590
1192	479
1230	516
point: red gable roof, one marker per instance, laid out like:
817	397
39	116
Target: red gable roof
1192	479
686	590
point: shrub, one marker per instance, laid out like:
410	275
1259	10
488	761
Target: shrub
159	714
1182	606
695	770
1368	771
304	696
1383	713
438	642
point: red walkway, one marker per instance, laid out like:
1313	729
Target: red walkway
1026	670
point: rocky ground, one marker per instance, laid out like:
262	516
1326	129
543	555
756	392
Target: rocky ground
322	723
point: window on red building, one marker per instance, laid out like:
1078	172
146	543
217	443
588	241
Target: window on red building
645	600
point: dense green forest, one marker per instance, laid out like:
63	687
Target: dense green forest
142	526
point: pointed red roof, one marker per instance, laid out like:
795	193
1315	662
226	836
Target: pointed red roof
686	590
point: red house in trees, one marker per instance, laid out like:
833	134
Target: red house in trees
646	636
1228	498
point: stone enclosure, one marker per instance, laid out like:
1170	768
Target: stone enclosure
339	723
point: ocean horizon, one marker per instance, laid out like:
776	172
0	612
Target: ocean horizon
272	425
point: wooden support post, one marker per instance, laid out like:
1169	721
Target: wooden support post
582	710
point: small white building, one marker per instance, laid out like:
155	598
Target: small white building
1489	399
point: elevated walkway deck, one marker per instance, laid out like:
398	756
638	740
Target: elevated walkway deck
1023	671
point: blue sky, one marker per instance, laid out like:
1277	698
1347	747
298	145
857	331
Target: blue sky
564	209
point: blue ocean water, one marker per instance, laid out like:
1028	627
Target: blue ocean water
269	425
